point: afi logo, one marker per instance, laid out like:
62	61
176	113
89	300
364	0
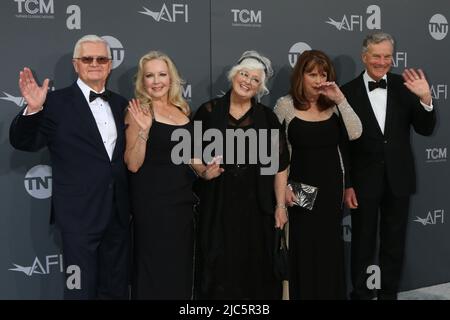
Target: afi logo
38	182
355	22
18	101
433	217
400	58
178	10
117	50
52	262
187	92
439	91
37	267
436	154
296	50
347	228
438	26
246	18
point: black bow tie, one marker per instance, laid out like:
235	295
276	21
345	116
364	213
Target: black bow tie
380	84
104	95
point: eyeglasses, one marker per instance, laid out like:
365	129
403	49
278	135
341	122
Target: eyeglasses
89	60
253	80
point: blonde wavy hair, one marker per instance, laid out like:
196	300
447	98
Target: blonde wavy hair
175	90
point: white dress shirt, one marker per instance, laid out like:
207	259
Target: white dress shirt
378	101
101	110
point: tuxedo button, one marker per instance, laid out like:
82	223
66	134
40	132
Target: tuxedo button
385	141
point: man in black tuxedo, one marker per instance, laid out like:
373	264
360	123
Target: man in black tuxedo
382	174
83	128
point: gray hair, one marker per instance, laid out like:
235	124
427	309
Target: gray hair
252	60
375	38
90	38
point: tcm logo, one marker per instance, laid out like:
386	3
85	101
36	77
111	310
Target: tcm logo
117	50
38	182
355	22
400	59
177	12
35	9
436	154
246	18
438	26
439	91
187	92
433	217
296	50
52	262
347	228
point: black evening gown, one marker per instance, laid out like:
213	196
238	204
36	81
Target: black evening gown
162	207
244	269
315	237
236	224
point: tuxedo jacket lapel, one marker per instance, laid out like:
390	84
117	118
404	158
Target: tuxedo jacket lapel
118	113
390	108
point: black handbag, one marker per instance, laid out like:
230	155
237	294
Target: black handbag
280	256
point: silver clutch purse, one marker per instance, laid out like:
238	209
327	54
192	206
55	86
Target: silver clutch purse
304	193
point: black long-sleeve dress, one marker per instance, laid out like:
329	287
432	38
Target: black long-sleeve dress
236	218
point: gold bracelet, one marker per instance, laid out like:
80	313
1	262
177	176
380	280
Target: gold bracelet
281	206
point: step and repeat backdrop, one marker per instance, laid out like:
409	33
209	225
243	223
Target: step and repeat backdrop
205	38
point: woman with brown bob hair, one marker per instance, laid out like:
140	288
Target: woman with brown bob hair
318	121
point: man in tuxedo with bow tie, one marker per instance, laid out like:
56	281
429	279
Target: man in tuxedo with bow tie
382	174
83	128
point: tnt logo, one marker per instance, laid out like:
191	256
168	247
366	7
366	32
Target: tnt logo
400	59
347	228
439	91
38	182
355	22
438	27
436	154
296	50
117	50
187	92
177	11
433	217
246	18
35	9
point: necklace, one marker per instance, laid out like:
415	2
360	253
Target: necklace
165	112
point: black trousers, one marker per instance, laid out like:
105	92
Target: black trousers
103	260
392	214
